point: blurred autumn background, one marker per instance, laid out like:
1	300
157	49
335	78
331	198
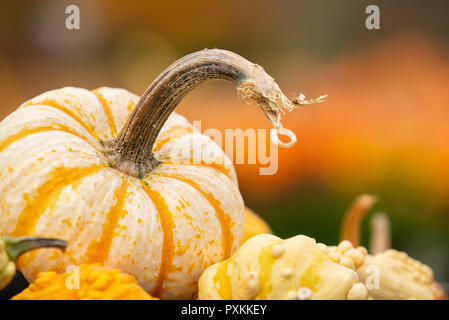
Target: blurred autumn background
384	129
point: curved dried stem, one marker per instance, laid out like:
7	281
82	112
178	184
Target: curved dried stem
350	229
131	151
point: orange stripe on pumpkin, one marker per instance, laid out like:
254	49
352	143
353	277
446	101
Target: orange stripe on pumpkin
107	110
98	251
54	104
29	131
224	219
167	225
217	166
47	194
173	133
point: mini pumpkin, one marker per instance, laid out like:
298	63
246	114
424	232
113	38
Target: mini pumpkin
125	181
87	282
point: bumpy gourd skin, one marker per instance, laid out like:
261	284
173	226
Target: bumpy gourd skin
267	267
388	274
253	225
7	267
95	283
400	277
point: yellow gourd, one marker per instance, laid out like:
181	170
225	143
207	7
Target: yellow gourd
125	181
388	274
399	277
88	282
267	267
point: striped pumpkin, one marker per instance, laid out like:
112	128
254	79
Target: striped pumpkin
96	168
58	183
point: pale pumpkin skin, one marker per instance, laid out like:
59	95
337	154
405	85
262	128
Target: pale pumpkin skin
56	182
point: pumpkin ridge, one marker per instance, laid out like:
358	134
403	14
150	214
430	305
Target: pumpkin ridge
107	110
167	225
174	132
54	104
216	166
29	131
47	194
98	251
224	219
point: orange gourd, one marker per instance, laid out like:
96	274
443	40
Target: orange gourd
254	225
88	282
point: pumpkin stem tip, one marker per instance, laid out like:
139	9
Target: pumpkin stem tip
301	101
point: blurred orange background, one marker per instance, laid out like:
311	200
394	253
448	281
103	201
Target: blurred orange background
383	130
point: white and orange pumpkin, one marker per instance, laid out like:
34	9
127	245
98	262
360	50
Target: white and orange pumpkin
96	168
